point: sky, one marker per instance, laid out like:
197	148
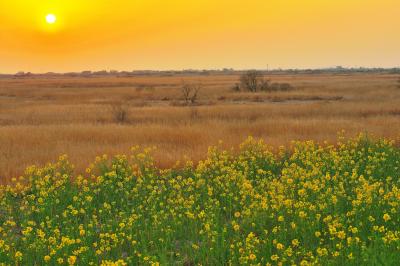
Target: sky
197	34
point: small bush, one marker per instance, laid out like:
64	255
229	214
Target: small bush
253	81
190	93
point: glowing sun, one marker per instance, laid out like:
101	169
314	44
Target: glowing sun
51	18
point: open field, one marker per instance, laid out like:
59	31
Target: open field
43	118
313	205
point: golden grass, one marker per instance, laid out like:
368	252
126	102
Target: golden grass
43	118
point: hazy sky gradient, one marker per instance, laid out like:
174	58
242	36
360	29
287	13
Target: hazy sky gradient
178	34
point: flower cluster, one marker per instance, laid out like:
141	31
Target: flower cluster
310	204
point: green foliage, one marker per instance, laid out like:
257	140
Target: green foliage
323	205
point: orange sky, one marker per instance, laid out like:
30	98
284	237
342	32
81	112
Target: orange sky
178	34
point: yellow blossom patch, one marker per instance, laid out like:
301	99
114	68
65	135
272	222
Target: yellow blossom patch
311	204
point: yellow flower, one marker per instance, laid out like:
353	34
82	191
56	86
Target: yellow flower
295	242
386	217
322	252
274	257
18	255
293	225
279	246
304	263
336	254
237	214
341	235
207	227
289	252
236	227
302	214
252	256
47	258
334	199
60	260
89	198
71	260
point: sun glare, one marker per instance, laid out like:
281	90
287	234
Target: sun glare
51	19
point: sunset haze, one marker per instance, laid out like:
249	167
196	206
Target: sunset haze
175	34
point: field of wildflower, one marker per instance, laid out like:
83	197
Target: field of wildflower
310	204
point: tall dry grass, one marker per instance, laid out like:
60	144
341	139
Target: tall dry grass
43	118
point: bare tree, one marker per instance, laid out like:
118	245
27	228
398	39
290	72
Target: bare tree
186	91
190	93
253	81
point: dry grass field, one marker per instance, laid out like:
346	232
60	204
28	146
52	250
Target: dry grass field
41	119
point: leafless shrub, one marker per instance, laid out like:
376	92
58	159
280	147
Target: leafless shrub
253	81
190	93
264	85
119	112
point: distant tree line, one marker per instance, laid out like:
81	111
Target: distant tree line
224	71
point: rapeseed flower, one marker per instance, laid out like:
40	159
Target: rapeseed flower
310	205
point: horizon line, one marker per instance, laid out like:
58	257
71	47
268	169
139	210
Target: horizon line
225	69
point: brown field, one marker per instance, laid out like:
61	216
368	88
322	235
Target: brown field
41	119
